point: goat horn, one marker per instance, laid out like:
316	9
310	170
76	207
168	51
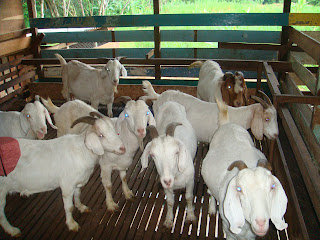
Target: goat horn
239	164
171	127
37	98
123	99
261	101
86	119
120	57
153	131
265	164
266	96
96	114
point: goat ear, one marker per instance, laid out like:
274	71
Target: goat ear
93	143
257	123
123	71
49	118
279	202
232	208
182	158
145	156
119	121
151	120
225	93
245	94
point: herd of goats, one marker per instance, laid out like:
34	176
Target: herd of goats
236	173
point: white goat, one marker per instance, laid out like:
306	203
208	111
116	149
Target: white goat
30	123
239	177
66	162
91	84
67	113
173	153
213	83
203	116
131	127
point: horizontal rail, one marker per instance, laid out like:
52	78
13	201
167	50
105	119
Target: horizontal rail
166	35
157	20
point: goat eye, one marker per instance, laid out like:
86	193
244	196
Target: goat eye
238	189
229	87
108	69
126	115
148	113
267	119
100	136
273	186
28	116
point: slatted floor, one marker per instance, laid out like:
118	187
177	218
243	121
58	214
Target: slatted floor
41	216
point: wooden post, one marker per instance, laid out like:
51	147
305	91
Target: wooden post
157	47
315	124
283	53
34	31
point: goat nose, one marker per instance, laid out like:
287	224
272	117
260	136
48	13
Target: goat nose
167	182
122	149
140	131
261	222
44	130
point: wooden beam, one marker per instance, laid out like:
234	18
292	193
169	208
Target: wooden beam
272	80
308	44
288	98
226	64
14	45
309	172
17	80
157	39
150	54
15	34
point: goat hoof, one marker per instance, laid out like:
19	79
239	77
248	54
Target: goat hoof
84	209
168	223
15	232
73	226
191	218
130	196
112	207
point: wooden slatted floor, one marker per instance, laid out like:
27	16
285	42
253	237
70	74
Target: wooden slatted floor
41	216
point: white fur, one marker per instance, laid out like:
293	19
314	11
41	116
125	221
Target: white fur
203	116
91	84
67	113
131	127
244	213
173	156
66	162
30	123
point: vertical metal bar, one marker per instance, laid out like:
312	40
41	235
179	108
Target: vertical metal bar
157	40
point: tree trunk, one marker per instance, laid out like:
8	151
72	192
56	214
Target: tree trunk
42	8
81	6
124	7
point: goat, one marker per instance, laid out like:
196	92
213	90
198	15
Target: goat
66	162
239	177
30	123
173	152
90	84
203	116
131	127
213	83
67	113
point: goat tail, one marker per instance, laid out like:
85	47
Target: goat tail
61	59
196	64
149	91
49	105
223	112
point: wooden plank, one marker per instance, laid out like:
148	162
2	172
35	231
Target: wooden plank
273	47
272	79
308	44
304	160
166	35
288	98
208	19
17	80
304	19
15	34
14	45
304	74
205	53
293	216
12	95
11	16
226	64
